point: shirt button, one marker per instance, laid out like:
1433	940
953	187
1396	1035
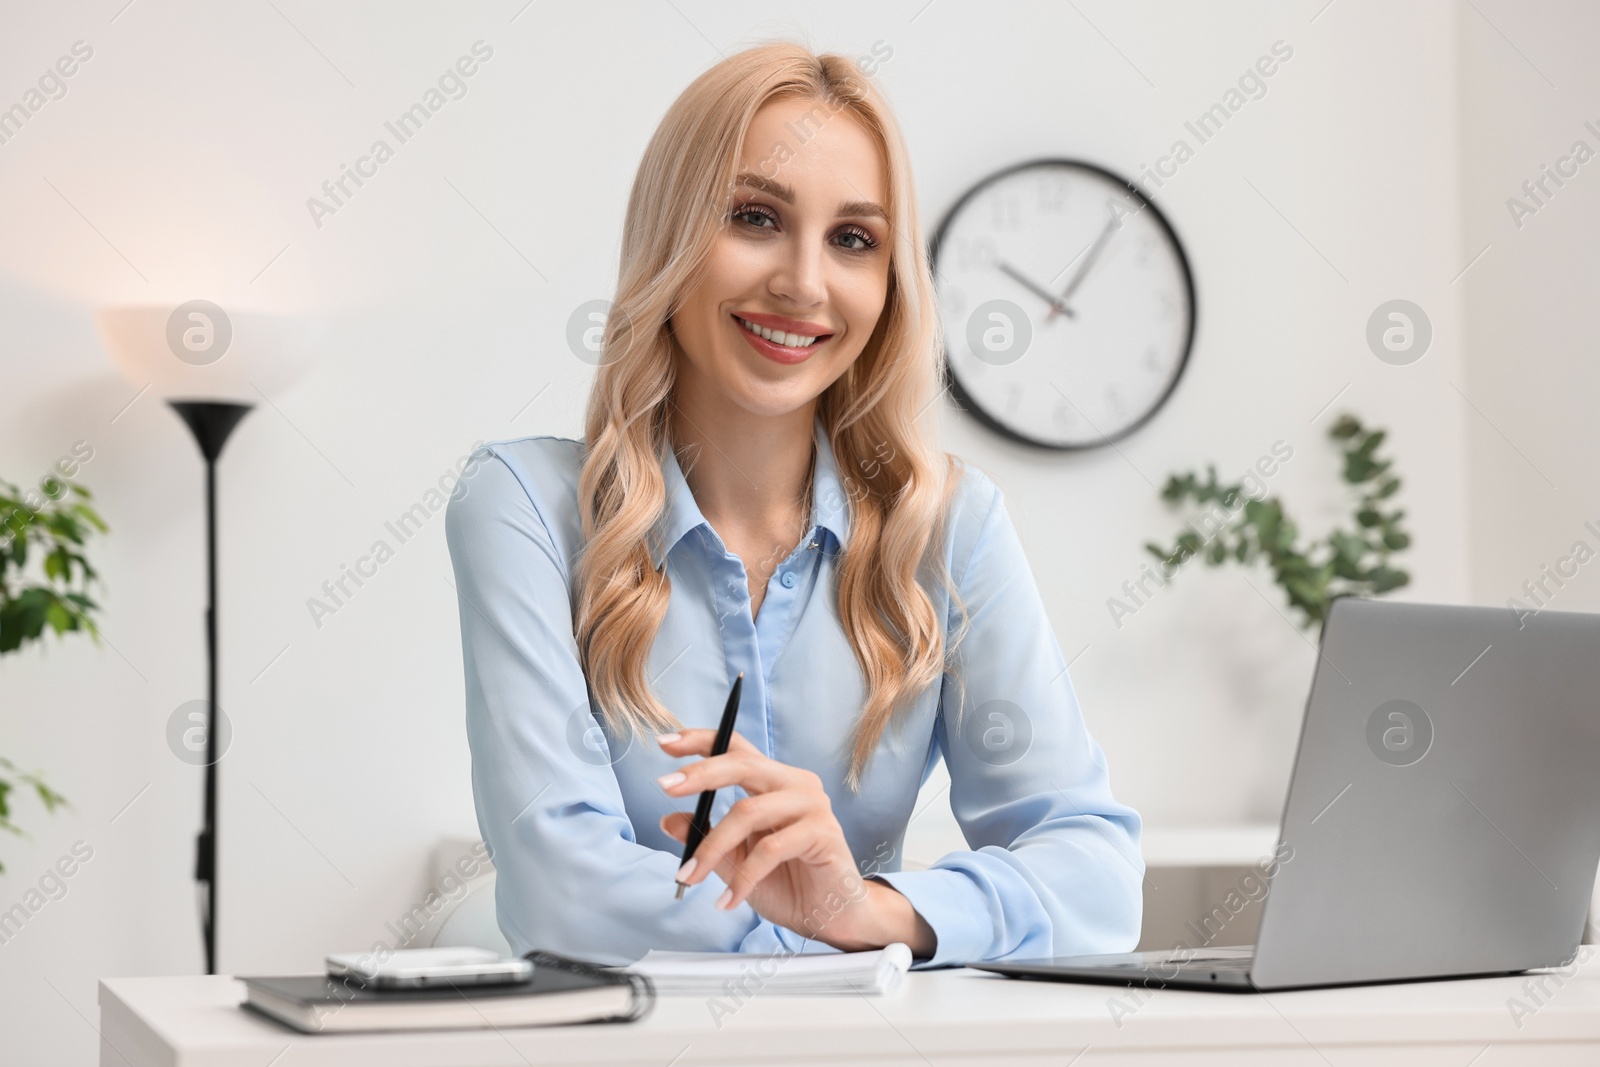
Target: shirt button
788	579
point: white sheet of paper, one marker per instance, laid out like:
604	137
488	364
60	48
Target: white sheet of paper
875	971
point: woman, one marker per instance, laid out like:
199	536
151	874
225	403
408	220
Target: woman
755	493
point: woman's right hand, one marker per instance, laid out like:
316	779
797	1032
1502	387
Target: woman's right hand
780	847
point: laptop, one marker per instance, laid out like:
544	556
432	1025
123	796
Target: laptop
1443	818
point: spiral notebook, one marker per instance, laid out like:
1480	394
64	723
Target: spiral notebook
561	990
876	971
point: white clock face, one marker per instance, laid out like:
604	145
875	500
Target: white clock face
1067	304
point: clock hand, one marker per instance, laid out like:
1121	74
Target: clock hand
1037	290
1112	225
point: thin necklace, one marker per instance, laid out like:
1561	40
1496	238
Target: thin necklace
811	473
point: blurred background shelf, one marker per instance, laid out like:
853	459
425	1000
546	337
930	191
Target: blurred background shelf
1209	846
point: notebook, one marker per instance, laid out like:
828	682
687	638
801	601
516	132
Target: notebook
561	990
876	971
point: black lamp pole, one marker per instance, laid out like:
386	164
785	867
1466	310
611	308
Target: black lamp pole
211	422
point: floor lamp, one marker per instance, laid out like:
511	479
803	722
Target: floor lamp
211	421
206	365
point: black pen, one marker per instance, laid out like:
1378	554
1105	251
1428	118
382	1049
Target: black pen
702	812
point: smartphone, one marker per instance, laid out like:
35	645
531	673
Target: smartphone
423	968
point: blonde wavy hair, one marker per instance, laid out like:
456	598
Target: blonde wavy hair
899	485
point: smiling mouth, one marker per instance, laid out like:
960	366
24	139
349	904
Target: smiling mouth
796	341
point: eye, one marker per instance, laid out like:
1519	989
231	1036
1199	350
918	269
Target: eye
868	243
754	211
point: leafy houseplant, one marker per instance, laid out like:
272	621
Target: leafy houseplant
1345	563
53	528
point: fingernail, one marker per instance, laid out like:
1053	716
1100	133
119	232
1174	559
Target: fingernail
725	899
667	739
687	869
667	781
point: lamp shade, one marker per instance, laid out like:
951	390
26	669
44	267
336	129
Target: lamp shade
199	351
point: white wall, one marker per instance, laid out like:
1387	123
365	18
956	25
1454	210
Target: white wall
1531	314
184	153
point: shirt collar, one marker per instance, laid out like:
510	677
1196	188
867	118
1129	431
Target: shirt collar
830	507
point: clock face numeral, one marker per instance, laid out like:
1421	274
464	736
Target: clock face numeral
1007	211
975	253
1052	197
1014	397
953	300
1067	304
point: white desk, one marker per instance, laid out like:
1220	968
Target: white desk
937	1017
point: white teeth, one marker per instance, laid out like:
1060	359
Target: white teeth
778	337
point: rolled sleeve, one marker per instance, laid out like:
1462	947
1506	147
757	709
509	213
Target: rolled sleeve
963	917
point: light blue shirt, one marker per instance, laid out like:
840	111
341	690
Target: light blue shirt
571	812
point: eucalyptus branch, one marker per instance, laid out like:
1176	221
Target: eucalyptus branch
1348	562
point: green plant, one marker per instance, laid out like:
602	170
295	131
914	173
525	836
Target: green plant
1354	562
10	778
53	528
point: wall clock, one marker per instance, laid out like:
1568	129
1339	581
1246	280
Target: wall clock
1067	303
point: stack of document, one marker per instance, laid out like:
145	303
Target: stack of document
716	973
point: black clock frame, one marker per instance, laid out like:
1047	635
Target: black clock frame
993	422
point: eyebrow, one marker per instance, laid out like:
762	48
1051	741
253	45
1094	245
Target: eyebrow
860	208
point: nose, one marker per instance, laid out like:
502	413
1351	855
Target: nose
798	279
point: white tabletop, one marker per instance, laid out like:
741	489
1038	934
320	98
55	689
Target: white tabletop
947	1017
